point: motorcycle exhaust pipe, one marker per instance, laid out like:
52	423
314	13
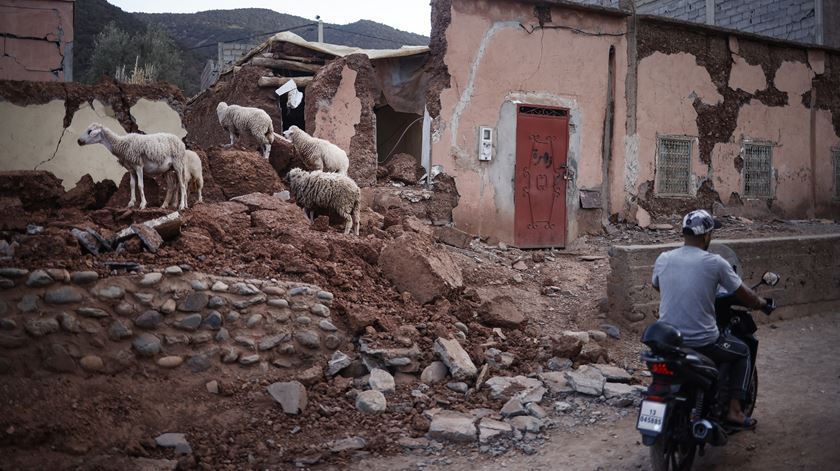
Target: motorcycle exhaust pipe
701	429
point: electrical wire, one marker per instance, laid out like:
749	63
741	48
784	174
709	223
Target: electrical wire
253	36
575	30
362	34
388	155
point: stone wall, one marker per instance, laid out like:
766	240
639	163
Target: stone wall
69	322
809	267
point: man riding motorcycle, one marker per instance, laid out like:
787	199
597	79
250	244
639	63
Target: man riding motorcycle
688	279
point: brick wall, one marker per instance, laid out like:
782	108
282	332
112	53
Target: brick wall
809	266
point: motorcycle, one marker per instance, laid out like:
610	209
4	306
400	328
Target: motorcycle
683	409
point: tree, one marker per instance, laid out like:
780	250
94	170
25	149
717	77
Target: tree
152	53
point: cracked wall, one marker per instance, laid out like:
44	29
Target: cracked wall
36	40
724	90
40	123
490	63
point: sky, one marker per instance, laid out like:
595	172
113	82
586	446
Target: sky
406	15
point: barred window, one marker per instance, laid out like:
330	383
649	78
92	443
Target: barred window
758	170
835	154
673	166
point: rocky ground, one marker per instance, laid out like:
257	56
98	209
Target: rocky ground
237	335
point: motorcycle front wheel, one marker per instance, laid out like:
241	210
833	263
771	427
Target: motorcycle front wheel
667	454
752	395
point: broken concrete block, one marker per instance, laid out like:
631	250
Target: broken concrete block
455	358
488	429
586	380
290	395
453	426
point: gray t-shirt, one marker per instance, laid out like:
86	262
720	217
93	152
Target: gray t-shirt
688	278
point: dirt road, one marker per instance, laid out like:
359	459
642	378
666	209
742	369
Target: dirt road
798	414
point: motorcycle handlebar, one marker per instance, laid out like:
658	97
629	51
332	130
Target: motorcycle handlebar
770	307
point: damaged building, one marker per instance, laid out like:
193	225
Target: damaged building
556	118
36	40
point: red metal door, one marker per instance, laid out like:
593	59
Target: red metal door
542	138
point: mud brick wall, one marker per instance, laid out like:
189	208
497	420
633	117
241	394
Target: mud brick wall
809	267
37	40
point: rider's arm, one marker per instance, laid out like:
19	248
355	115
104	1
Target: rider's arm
748	298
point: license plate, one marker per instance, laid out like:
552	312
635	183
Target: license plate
651	416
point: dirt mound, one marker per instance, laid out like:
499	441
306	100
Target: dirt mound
88	195
36	189
238	87
239	172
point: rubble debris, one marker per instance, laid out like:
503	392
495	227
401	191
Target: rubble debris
178	441
412	263
290	395
168	227
501	311
519	387
453	427
453	355
586	380
150	238
35	189
371	401
405	168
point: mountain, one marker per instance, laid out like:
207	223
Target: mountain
198	33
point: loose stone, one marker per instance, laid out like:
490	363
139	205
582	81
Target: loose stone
254	320
434	373
212	387
199	363
327	325
338	362
63	295
213	320
190	322
92	363
41	327
119	331
216	302
307	339
172	361
324	296
173	270
270	342
371	402
199	285
381	380
174	440
148	320
303	320
320	310
150	279
219	287
93	312
146	345
38	279
84	277
332	341
110	292
290	395
458	386
278	302
249	359
194	302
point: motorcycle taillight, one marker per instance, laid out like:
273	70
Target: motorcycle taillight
657	392
661	369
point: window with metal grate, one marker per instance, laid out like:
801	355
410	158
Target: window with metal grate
758	170
835	155
673	166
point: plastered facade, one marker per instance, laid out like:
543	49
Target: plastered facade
715	89
33	137
36	40
487	84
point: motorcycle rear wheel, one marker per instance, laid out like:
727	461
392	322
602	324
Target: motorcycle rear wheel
667	454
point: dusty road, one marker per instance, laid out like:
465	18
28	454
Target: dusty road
798	414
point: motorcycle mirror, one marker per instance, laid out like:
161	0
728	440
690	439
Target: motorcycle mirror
770	278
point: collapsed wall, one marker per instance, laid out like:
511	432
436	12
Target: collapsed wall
40	123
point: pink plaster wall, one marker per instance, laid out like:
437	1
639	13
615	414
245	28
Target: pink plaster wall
42	31
493	61
667	85
336	122
749	78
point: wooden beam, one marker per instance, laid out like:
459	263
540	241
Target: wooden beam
301	82
306	60
284	64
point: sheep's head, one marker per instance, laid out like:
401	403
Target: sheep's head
220	109
92	135
291	132
294	176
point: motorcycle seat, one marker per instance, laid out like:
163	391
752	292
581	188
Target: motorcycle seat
701	360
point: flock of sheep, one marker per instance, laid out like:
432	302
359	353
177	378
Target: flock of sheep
324	186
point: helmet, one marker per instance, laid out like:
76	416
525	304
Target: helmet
662	336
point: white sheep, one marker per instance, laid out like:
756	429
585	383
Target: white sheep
253	121
194	179
326	190
153	154
317	154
